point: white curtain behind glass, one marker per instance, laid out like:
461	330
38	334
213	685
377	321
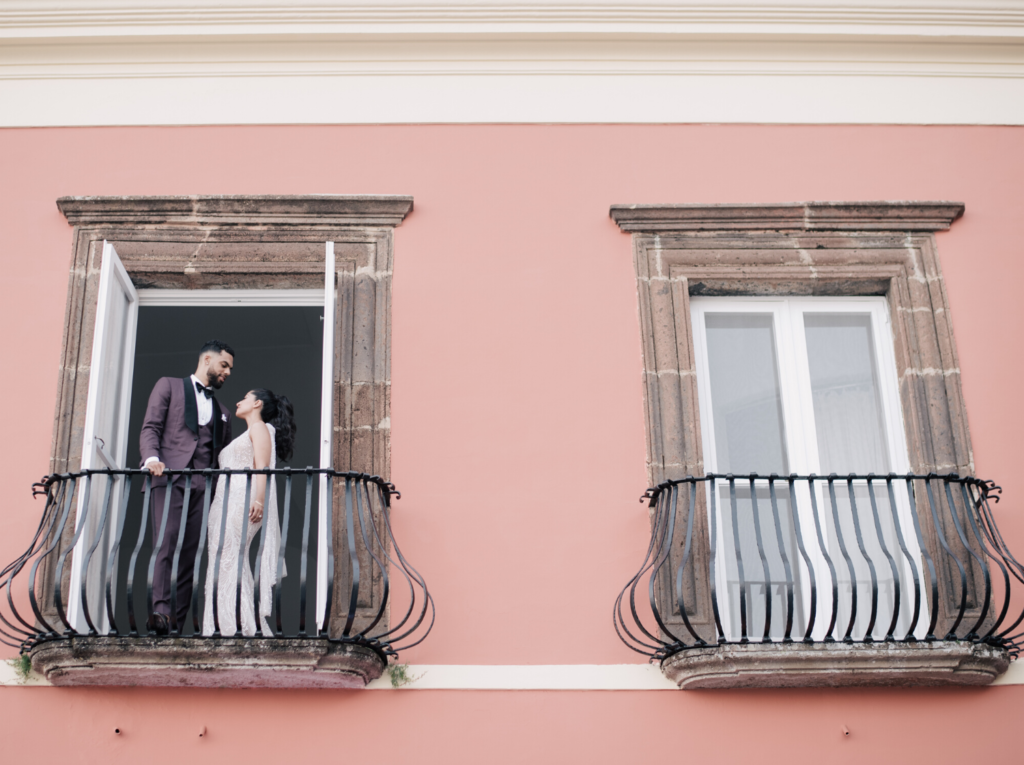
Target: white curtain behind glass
746	403
844	385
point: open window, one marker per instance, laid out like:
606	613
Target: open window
141	267
274	327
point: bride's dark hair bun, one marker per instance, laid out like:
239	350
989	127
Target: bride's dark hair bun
277	411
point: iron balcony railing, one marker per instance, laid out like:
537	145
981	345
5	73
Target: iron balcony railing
89	569
860	558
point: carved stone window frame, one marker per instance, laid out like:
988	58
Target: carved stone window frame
247	242
812	248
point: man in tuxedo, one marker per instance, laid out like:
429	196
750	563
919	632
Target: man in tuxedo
185	427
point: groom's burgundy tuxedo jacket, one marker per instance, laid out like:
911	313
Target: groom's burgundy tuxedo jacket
170	429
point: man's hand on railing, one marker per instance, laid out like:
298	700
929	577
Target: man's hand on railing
156	468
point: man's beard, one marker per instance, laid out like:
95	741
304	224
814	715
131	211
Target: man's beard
213	381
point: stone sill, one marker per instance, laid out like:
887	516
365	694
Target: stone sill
206	662
815	665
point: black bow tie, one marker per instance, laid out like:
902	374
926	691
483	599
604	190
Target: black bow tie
208	392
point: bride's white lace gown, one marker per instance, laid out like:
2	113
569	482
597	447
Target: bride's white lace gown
238	455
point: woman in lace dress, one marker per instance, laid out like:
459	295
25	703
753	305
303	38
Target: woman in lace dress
271	434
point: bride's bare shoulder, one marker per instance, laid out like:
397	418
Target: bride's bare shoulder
259	432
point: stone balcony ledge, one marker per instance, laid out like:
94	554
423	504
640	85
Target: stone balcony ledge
206	662
808	665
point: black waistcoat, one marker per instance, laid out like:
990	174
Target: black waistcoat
203	455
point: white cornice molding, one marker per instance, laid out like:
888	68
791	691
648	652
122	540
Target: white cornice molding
980	19
224	62
245	82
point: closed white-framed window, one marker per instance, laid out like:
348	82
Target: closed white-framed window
798	385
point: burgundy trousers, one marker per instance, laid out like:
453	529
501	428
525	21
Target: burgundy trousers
165	551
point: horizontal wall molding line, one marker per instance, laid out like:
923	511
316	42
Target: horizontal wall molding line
541	677
310	80
505	677
721	69
36	18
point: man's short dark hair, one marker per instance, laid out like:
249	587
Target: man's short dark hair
217	347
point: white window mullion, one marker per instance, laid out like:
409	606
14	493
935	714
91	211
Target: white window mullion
805	446
804	427
795	412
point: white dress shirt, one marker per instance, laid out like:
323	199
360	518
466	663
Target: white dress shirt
204	407
203	404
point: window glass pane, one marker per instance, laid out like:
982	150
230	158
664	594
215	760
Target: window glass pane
765	531
845	392
746	405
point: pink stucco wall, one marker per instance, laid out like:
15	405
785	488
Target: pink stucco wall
518	433
512	728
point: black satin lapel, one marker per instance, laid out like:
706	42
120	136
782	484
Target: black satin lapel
191	409
217	424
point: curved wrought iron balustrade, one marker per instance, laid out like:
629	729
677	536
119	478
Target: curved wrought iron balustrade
858	559
89	568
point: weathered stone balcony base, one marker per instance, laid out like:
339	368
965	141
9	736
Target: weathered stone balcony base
808	665
206	662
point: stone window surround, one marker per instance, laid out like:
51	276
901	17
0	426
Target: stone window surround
817	248
268	242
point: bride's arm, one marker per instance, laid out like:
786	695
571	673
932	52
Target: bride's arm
260	435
